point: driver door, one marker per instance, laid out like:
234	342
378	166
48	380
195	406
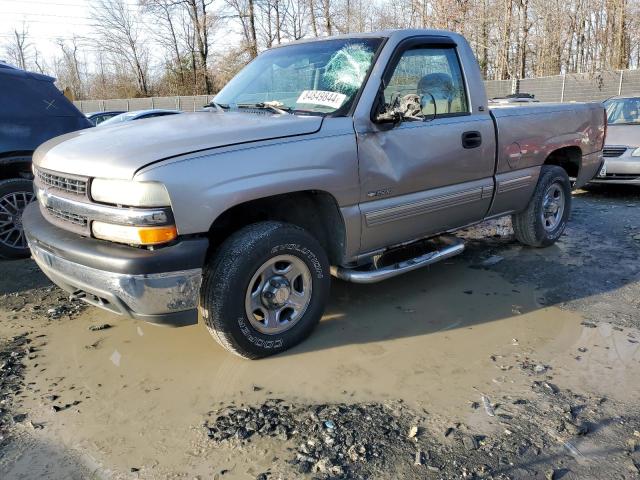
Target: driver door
433	171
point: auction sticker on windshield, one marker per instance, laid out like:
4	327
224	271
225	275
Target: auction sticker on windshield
322	97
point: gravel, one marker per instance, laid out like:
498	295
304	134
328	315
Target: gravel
368	440
332	440
12	352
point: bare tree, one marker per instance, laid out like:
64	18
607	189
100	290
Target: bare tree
41	66
166	12
18	47
189	37
326	11
312	15
118	33
68	69
511	38
245	12
203	22
295	13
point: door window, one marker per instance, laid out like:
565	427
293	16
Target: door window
429	80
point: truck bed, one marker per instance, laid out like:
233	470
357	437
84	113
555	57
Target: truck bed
528	133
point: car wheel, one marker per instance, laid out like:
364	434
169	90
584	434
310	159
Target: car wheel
547	214
265	289
15	195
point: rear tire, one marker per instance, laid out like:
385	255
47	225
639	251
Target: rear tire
15	195
265	289
547	214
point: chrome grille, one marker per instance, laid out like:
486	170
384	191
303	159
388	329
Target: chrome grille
68	217
613	151
72	185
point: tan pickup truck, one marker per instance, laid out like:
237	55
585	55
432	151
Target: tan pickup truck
349	156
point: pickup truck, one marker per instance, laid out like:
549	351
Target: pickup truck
354	156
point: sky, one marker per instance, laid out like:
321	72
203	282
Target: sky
48	20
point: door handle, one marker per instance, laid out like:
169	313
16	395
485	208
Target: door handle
471	139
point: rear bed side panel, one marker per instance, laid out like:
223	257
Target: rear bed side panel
591	165
203	186
526	137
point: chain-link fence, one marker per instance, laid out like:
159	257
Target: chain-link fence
578	87
575	87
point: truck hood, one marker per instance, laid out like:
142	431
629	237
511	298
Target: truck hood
120	151
623	135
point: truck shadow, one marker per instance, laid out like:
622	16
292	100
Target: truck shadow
597	257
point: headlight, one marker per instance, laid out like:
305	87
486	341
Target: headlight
133	235
636	153
130	193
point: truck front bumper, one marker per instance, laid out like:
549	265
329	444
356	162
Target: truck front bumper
158	286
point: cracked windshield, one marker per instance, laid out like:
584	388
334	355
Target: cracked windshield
319	240
315	77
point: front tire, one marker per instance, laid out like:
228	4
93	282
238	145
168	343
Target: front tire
265	289
547	214
15	195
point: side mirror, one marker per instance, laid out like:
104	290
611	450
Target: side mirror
383	113
389	116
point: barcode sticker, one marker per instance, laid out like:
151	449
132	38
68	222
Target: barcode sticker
322	97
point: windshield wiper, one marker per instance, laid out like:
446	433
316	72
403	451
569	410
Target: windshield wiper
274	106
218	106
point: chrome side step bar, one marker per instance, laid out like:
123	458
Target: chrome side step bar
454	247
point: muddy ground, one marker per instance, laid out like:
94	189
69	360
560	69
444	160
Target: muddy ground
505	362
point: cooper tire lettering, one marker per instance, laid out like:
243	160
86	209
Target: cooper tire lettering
317	266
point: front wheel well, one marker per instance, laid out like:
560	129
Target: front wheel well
569	158
315	211
15	165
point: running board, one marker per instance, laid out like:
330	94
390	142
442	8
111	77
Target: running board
453	246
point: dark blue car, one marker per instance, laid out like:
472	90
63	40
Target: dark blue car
32	110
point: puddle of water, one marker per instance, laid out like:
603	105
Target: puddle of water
426	338
604	360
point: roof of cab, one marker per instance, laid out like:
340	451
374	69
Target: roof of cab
401	33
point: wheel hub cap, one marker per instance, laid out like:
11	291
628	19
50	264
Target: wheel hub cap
553	207
278	294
